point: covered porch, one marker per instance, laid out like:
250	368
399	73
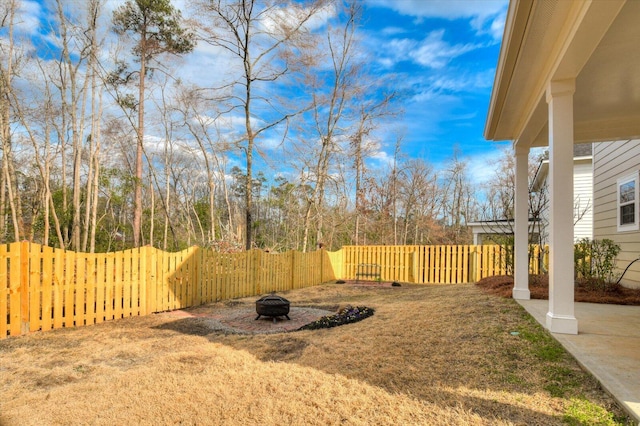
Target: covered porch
567	74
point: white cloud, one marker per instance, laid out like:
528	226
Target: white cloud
389	31
463	81
269	143
384	158
433	51
448	9
496	29
482	166
290	16
487	16
28	17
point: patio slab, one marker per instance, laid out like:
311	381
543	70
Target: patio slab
607	345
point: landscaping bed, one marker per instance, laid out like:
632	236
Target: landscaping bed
614	294
346	315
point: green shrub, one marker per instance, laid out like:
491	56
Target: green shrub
595	261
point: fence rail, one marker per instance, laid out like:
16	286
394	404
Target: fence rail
436	264
42	288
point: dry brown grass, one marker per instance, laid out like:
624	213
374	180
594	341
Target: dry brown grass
430	355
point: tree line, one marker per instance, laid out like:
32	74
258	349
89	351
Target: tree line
106	144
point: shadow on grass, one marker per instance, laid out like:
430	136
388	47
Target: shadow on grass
450	346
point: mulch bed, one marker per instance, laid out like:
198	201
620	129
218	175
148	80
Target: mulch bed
614	294
347	315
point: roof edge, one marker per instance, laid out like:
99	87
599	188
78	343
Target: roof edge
512	39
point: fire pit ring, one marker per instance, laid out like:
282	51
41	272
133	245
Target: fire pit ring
272	306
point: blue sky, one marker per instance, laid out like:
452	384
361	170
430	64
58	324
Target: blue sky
440	55
446	52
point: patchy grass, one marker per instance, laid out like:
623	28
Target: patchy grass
582	412
430	355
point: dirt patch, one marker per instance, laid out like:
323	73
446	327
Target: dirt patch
286	348
239	319
613	294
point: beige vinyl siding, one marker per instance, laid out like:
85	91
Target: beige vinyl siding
583	198
613	160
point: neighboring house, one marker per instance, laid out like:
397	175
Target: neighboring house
568	73
486	231
616	208
582	192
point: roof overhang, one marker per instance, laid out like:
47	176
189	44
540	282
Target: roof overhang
594	42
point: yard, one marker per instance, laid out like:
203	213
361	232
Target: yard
431	354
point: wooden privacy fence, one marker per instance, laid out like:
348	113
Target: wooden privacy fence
441	264
43	288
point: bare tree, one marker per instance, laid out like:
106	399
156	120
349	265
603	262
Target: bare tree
362	145
94	9
330	108
43	152
419	194
458	199
203	126
264	39
73	94
497	209
8	186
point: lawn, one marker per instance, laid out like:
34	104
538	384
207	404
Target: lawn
429	355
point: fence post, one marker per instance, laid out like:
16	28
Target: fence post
145	282
321	265
293	268
414	267
473	264
24	287
257	270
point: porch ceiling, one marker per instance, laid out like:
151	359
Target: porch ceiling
596	42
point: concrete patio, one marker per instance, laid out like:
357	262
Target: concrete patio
607	345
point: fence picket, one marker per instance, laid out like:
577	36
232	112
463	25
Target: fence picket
34	285
80	290
90	311
101	288
118	300
15	290
45	288
4	292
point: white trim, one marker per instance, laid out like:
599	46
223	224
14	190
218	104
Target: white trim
521	237
635	202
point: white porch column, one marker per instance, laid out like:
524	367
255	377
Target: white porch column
560	318
521	231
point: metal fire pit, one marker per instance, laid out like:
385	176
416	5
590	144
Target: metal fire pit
272	306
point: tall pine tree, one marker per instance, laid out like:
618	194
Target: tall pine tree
155	28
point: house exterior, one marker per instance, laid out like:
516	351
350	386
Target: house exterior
582	192
486	231
616	209
567	73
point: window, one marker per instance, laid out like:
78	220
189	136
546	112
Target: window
628	203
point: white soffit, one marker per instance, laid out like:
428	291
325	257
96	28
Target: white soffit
597	42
